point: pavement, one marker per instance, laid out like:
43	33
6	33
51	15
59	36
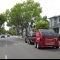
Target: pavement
20	37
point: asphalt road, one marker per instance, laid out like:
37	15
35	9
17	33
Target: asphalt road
15	48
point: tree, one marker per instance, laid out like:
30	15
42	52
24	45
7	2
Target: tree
16	16
2	30
44	18
7	12
2	19
32	12
23	13
41	25
11	31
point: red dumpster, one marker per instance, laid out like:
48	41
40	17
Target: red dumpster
46	38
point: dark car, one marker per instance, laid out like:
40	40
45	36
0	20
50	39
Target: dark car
8	35
2	35
30	39
27	38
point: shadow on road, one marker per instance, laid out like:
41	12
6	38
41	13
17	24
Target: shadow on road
50	49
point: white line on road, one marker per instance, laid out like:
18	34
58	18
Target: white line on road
6	45
19	44
15	44
5	56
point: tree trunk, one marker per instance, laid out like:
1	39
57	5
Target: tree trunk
26	32
22	30
18	29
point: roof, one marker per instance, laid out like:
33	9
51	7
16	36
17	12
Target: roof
54	16
48	33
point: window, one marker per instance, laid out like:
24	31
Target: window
59	19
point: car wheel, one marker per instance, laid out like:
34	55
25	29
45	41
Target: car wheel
29	42
57	47
25	40
35	44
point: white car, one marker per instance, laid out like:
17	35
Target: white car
2	35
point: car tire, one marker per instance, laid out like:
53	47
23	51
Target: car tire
25	40
57	47
35	44
29	42
38	46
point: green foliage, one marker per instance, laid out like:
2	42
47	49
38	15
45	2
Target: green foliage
2	19
41	25
2	30
16	14
11	31
44	18
23	13
32	11
7	12
27	11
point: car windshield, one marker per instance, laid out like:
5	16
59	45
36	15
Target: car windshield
34	35
2	34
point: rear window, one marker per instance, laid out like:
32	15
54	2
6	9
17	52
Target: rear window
48	33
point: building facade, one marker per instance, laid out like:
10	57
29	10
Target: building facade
55	23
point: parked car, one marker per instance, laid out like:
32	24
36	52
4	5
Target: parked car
30	39
8	35
27	38
2	35
46	38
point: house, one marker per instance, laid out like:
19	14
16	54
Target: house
55	23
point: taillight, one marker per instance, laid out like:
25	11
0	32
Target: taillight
40	39
55	39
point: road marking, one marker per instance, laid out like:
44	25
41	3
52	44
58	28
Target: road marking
5	56
6	45
19	44
15	44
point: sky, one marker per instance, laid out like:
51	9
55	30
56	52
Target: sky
49	7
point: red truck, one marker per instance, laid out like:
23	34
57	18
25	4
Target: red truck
46	38
30	39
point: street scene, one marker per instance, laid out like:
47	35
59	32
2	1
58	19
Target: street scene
29	29
14	47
